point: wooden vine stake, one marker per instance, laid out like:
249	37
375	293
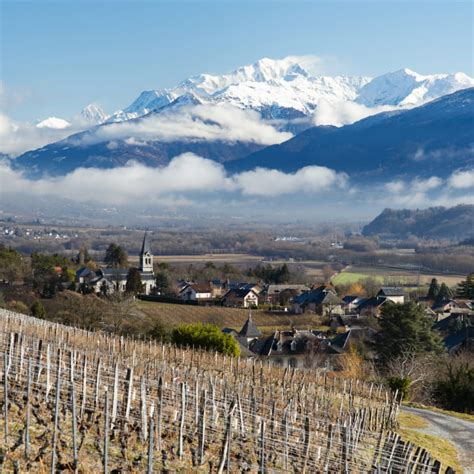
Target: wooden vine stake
56	414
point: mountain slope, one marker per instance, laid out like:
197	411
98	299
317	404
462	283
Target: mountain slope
406	87
432	139
436	222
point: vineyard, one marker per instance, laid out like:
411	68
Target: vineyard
78	401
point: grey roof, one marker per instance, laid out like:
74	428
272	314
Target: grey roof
391	291
122	273
373	302
274	289
249	329
145	245
83	272
289	343
115	273
147	276
320	295
239	292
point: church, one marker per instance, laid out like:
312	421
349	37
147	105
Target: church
110	280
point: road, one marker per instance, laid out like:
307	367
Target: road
459	432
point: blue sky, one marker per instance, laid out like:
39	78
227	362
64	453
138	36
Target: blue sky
58	56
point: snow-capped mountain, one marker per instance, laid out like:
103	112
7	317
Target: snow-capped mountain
285	89
93	114
267	84
53	122
408	88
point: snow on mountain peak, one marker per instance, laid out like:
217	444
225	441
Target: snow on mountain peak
92	113
284	83
408	88
53	122
285	87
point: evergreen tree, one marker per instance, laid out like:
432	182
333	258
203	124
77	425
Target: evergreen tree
466	287
444	293
163	282
433	290
405	328
134	282
115	256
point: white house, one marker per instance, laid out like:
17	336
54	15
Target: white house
396	295
196	292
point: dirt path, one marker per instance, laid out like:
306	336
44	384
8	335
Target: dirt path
459	432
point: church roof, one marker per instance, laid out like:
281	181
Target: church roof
145	245
249	329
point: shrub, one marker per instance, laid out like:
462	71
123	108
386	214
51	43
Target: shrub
159	332
38	310
402	384
455	391
18	306
206	336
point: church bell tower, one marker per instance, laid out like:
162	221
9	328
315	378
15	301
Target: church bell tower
146	257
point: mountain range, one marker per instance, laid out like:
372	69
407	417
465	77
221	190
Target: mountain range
435	222
433	139
247	118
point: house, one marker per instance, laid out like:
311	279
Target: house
240	285
282	294
351	302
371	306
322	300
445	307
84	275
196	292
295	348
396	295
245	298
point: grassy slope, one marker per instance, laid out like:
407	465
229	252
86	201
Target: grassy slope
441	449
173	314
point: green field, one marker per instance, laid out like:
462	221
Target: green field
347	278
391	276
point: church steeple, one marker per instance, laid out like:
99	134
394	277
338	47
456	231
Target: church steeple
146	257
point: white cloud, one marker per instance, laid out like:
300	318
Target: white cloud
395	186
18	137
187	174
416	185
343	113
462	179
424	185
201	122
268	182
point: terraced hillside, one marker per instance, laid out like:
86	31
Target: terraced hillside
77	401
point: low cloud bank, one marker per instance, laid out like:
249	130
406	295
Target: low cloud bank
200	122
186	173
344	113
432	191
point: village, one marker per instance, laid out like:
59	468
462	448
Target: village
350	320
